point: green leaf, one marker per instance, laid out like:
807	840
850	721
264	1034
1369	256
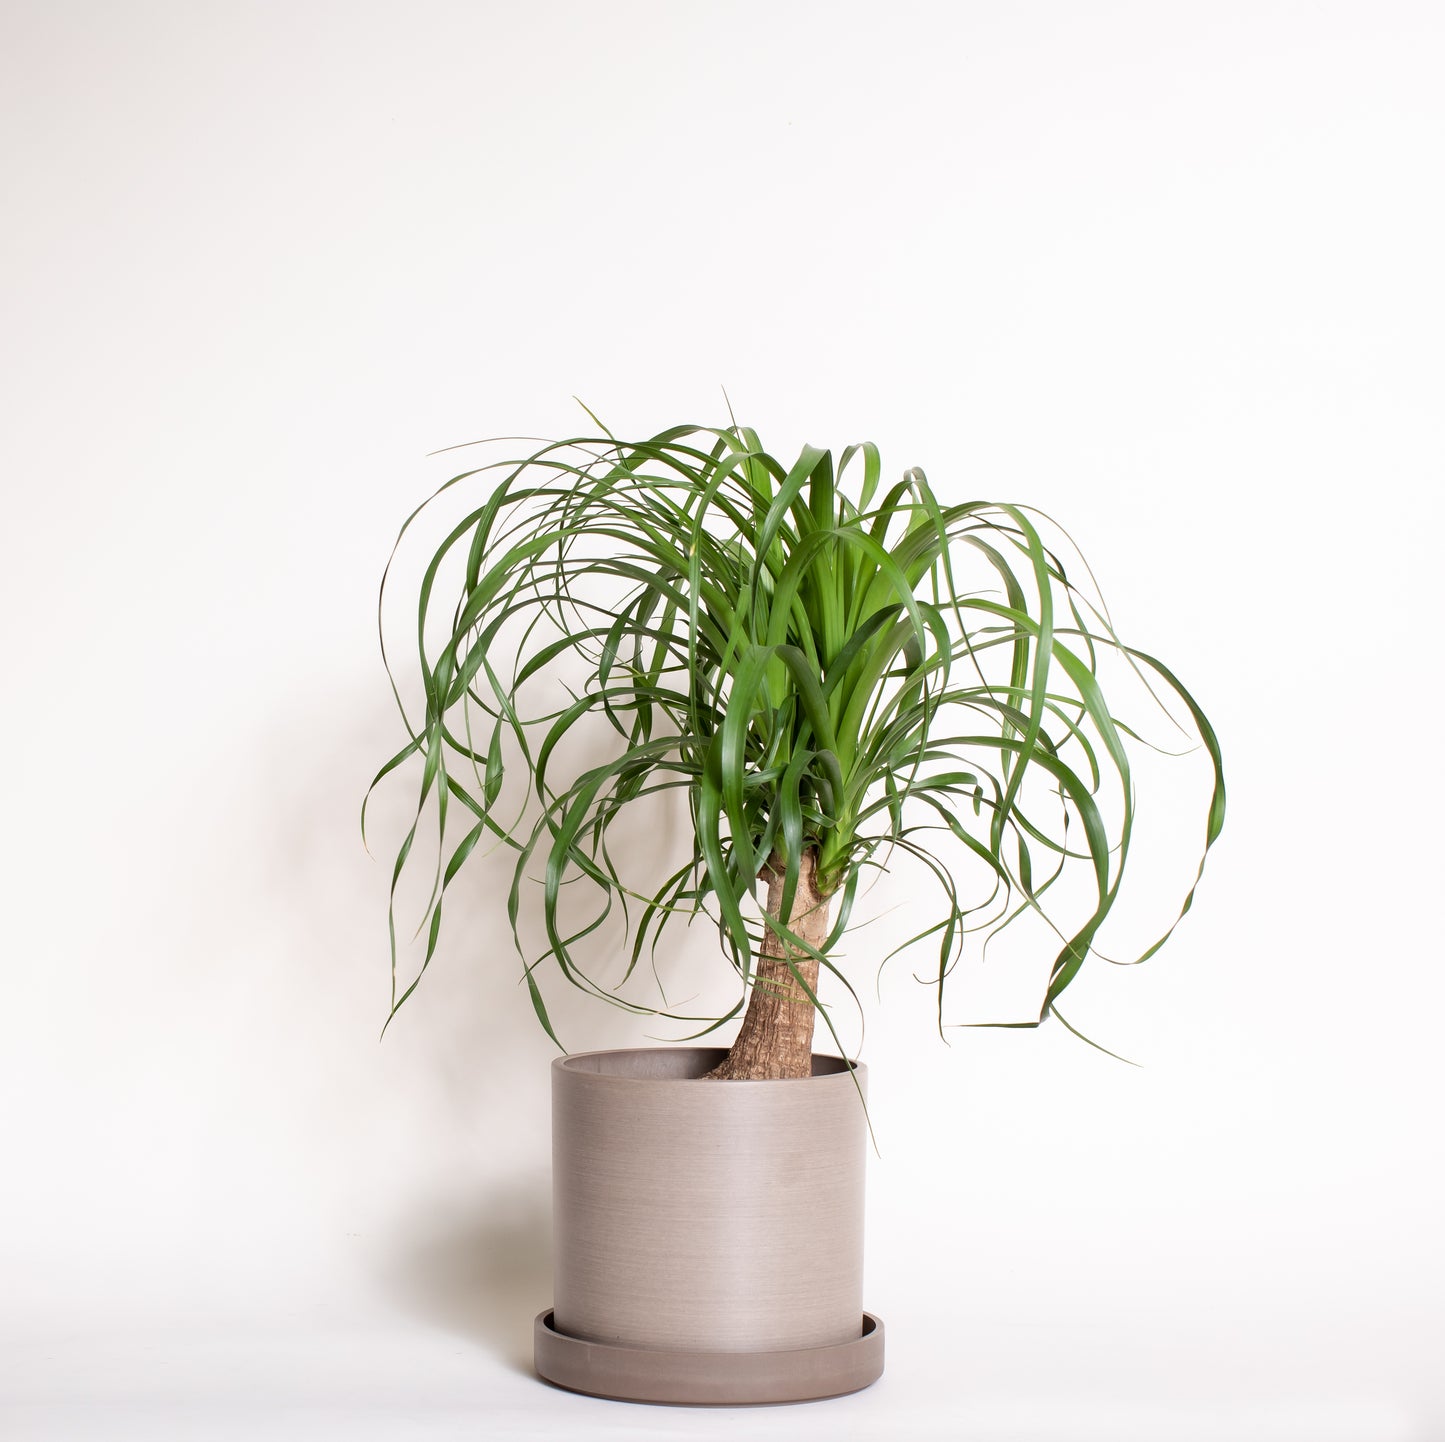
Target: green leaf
812	658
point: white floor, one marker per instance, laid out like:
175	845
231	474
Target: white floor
402	1376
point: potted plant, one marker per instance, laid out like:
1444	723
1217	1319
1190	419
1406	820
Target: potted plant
832	673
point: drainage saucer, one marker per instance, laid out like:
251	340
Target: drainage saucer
648	1374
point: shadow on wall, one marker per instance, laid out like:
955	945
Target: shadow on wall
481	1271
438	1142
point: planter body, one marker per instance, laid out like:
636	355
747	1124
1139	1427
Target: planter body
706	1216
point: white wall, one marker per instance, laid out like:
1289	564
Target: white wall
1169	272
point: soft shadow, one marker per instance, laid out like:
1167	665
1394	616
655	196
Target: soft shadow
479	1268
459	1230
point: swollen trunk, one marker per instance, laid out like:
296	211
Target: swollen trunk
776	1039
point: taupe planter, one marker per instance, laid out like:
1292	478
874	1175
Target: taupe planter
708	1234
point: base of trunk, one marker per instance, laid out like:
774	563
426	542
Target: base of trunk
776	1038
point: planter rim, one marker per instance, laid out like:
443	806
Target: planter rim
839	1069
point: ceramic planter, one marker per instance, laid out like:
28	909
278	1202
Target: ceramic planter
708	1234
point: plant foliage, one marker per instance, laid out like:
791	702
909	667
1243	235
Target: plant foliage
813	657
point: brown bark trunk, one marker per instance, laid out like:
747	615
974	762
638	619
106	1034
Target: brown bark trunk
776	1039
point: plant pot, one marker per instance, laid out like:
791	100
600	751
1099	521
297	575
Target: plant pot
708	1234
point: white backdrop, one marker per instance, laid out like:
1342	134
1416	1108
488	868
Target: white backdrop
1170	272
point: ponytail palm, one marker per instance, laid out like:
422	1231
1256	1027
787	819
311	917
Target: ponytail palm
835	672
